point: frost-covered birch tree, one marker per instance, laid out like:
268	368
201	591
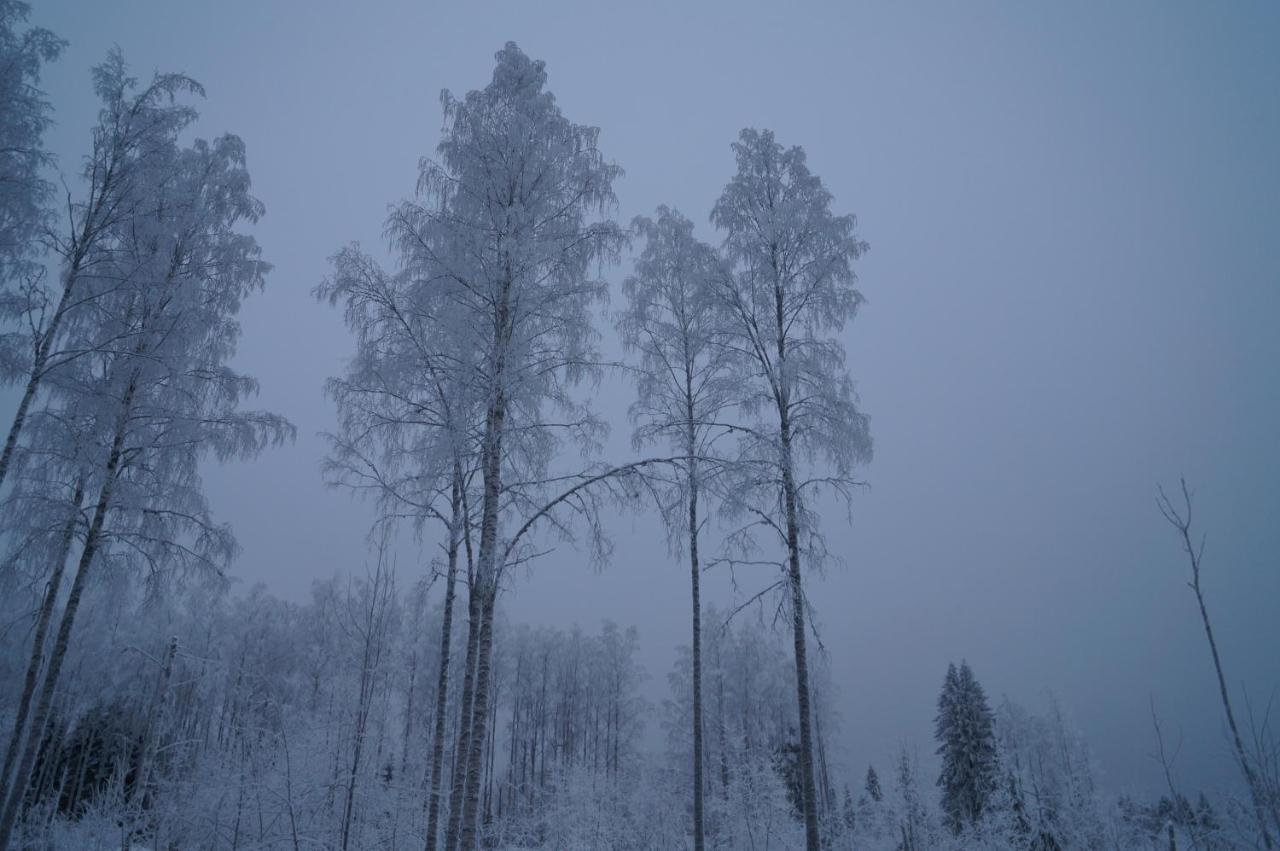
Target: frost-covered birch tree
24	188
507	228
673	322
407	422
791	290
132	146
131	423
136	130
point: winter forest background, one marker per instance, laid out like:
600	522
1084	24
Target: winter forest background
294	345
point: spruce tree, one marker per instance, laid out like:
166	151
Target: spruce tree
965	731
873	785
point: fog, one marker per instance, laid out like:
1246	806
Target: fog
1072	291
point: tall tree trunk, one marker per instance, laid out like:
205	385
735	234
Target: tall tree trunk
789	498
464	732
812	840
442	682
19	786
486	578
462	747
489	762
47	606
694	578
479	724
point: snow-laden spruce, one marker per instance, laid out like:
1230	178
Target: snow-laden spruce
965	730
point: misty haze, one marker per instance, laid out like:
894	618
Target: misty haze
639	426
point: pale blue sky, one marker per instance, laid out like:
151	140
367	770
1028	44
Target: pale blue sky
1072	295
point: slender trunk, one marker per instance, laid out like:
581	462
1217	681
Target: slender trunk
789	499
82	770
47	606
442	682
493	739
349	804
1250	776
288	786
410	709
699	841
1256	792
154	725
824	777
92	539
375	623
782	391
724	739
812	841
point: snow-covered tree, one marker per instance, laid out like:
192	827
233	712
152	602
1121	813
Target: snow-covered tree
790	289
751	741
506	232
131	150
1046	779
965	730
407	423
674	324
915	829
872	785
132	423
24	188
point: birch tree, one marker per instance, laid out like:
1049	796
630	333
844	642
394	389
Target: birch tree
790	291
505	230
24	189
134	421
135	131
367	617
406	426
683	387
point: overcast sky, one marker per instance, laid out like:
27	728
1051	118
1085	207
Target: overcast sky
1073	289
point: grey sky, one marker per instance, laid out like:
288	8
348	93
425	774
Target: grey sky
1072	295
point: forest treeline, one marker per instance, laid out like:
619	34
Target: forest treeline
212	719
147	706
